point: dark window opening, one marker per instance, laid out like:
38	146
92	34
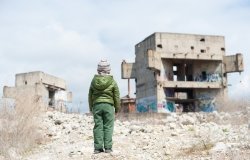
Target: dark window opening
189	77
188	107
203	51
180	100
189	72
175	72
25	83
223	49
202	39
182	72
159	45
204	75
192	47
51	97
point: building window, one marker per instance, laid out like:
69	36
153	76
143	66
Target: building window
159	45
202	39
203	51
175	70
51	97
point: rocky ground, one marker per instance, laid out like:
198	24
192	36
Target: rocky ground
216	135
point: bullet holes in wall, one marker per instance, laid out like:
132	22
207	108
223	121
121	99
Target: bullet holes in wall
159	45
202	39
203	51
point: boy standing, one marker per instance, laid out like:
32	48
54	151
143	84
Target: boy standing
104	100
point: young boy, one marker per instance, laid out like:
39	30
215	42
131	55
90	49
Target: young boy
104	102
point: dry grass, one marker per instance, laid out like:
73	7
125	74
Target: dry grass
203	146
19	127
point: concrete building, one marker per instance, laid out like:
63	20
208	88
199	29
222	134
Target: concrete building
180	72
49	90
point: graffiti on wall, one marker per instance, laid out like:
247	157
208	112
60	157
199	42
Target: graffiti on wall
208	77
206	103
166	106
148	104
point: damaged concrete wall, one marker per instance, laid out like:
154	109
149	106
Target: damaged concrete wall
171	64
31	78
14	92
50	90
170	43
145	79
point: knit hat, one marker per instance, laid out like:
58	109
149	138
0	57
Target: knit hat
103	67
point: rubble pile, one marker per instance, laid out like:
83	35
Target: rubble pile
215	135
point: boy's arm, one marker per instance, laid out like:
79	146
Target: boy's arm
116	97
90	99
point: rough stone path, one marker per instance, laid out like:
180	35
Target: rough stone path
150	136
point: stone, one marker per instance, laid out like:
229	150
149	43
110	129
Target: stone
174	134
170	119
219	147
187	120
172	125
58	122
158	140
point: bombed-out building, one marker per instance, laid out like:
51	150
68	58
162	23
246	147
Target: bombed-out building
180	72
50	91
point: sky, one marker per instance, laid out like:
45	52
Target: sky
68	38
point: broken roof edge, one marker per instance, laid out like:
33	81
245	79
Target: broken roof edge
32	72
46	78
188	34
38	72
194	34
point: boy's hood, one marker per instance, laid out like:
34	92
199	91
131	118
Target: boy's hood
101	82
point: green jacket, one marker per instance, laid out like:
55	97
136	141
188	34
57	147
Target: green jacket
103	89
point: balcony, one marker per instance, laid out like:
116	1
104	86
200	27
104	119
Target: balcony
192	56
191	84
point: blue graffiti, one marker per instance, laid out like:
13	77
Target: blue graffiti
170	106
147	107
206	103
210	77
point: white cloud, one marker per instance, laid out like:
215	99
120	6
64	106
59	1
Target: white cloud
68	38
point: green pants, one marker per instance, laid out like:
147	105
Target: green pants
104	125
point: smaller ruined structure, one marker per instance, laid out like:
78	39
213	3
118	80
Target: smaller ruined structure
127	102
49	91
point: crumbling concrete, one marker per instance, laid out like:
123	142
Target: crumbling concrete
186	70
45	89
